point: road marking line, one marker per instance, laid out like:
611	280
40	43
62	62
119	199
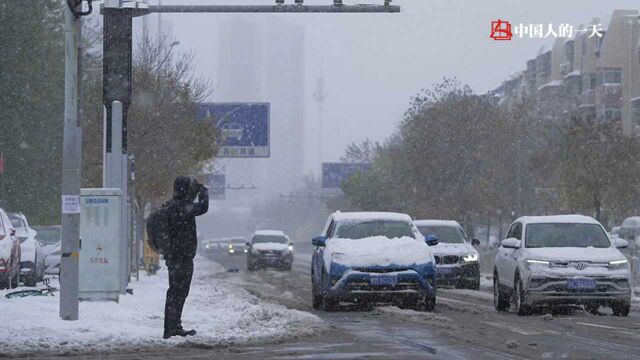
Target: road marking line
603	326
512	329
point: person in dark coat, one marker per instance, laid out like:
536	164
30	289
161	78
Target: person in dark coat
183	210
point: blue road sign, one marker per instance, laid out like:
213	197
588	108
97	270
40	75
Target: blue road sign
333	174
243	128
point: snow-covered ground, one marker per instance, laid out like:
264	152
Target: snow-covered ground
222	313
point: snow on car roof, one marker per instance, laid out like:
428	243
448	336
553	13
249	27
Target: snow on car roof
346	216
571	219
270	233
631	221
451	223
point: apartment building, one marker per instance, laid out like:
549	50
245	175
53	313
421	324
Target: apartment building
588	75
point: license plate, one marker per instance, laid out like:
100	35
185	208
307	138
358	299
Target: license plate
444	270
577	284
383	280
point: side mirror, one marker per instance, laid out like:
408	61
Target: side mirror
320	241
247	244
621	243
511	243
431	240
13	232
475	242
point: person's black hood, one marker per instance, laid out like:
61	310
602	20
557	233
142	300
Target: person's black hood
181	187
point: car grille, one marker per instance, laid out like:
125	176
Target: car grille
365	286
270	252
379	270
447	259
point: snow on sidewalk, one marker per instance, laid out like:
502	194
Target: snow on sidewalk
222	313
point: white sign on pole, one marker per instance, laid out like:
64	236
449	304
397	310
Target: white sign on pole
70	204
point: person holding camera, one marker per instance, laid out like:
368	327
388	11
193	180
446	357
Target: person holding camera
182	211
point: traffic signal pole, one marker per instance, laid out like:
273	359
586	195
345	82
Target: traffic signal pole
71	161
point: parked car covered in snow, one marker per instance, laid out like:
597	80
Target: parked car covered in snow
563	259
31	255
49	238
365	257
9	253
269	248
456	258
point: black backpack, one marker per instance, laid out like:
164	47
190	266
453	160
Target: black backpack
158	229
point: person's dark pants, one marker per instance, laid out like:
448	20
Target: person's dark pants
180	273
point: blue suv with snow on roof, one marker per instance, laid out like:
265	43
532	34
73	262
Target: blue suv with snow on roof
373	257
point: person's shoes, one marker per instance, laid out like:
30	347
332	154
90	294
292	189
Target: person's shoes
178	332
187	332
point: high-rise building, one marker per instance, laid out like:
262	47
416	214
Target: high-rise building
265	62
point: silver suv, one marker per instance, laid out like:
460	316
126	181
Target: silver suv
564	259
456	259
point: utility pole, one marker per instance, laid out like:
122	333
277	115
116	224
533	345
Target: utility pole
71	161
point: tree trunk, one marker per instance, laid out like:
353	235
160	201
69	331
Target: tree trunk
597	204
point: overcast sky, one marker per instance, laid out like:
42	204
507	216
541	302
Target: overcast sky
374	64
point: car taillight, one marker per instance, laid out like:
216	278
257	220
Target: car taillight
1	237
3	264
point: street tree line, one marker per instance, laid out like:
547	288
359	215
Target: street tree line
459	155
163	136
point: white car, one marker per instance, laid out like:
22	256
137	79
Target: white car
31	255
562	259
269	248
456	259
50	237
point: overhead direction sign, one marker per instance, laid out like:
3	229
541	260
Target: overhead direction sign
333	174
243	128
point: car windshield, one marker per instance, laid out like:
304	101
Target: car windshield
566	235
16	222
49	236
260	239
364	229
445	234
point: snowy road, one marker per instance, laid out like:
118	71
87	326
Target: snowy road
464	326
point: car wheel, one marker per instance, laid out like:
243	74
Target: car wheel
329	304
592	308
15	281
621	308
500	299
519	298
31	281
316	300
429	304
474	285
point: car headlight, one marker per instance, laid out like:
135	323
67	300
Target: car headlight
534	262
618	264
231	251
290	248
470	257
